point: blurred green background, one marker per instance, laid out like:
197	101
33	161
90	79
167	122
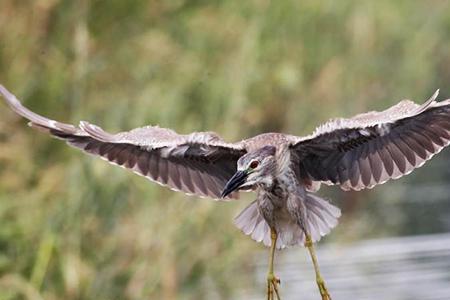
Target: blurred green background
74	227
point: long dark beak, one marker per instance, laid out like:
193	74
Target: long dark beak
234	183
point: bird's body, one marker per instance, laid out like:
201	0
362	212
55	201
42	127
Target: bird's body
284	170
283	202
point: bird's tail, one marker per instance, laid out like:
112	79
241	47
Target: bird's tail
321	218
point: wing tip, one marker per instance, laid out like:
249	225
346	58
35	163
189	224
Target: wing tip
9	97
429	103
435	94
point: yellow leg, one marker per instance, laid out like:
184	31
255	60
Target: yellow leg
272	281
320	282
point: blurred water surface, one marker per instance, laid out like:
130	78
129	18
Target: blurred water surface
406	268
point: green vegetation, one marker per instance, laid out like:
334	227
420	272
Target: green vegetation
73	227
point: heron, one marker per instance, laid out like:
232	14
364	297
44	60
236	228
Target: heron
285	171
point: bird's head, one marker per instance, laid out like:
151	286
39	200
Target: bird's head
254	168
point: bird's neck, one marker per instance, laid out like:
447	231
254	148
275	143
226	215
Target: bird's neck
278	172
283	159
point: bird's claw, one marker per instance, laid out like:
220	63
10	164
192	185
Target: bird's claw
273	284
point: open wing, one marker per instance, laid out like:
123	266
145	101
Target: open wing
199	163
371	148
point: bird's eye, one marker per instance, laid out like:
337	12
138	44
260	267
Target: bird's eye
254	164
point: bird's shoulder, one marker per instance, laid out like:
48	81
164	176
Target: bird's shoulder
268	139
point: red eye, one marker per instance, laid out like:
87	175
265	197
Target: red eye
254	164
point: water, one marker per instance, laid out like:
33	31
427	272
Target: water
405	268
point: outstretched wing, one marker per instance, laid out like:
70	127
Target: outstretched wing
199	163
371	148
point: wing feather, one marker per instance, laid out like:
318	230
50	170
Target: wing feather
199	163
371	148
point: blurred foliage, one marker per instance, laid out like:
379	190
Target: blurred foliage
73	227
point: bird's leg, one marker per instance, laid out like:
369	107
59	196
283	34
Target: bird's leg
272	281
320	282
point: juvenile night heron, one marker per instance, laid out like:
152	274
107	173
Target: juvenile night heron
284	170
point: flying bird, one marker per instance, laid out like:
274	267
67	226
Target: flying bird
285	171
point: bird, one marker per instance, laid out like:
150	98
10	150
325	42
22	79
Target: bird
285	171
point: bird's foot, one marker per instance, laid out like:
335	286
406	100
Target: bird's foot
273	284
323	289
